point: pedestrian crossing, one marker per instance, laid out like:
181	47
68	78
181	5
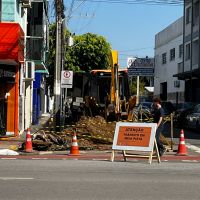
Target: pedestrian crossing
193	147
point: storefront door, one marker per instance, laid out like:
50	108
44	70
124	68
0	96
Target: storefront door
7	106
3	111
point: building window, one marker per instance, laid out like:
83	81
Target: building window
196	9
172	54
188	15
196	13
187	53
164	58
180	51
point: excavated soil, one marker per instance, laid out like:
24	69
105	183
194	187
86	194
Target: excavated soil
93	133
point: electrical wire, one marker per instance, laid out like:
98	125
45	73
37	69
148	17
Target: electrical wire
83	7
147	2
130	50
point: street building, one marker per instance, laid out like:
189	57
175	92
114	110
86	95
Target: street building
23	46
168	60
189	70
36	56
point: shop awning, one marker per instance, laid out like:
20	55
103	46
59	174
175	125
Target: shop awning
188	74
40	67
11	42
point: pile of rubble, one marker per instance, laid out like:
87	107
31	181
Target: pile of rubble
92	133
96	131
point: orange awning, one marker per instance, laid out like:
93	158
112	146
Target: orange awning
11	42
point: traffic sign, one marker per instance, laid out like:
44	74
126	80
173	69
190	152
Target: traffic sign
130	61
140	71
66	79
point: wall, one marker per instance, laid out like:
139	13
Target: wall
169	38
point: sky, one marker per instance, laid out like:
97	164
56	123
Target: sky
129	28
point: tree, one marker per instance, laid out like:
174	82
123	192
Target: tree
133	85
89	52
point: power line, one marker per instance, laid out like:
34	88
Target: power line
84	11
147	2
139	49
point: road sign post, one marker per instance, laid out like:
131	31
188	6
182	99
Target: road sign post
66	79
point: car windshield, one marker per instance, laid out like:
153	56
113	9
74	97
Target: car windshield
185	105
197	108
146	105
168	107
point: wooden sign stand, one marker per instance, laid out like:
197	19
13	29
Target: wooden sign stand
139	137
149	156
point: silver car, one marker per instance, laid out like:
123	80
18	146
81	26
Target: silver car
193	118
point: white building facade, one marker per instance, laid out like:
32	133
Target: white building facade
168	58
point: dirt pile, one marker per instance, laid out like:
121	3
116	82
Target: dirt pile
95	132
92	133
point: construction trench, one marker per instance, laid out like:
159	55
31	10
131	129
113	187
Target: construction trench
93	133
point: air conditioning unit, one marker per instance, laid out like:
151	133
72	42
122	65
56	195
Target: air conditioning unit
30	70
26	3
177	84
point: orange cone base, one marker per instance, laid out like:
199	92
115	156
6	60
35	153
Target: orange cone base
182	151
29	150
181	154
74	151
74	154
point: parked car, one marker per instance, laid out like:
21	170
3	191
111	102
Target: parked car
183	109
168	107
193	118
144	110
145	105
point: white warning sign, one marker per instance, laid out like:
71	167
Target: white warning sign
66	79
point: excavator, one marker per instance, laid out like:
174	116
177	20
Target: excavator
123	104
106	90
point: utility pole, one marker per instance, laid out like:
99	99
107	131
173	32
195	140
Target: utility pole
58	62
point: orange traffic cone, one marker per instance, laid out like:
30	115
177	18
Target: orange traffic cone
182	151
28	141
74	151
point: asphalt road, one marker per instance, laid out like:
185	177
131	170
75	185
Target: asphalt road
95	180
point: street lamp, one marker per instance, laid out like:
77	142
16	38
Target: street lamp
70	41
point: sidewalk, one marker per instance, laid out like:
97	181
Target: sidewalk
99	155
13	144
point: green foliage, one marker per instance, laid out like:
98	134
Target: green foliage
51	55
89	52
133	85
